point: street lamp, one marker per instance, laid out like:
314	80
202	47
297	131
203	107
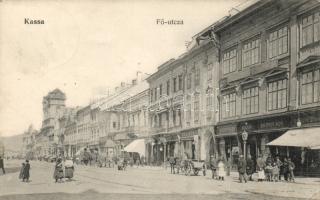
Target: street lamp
244	138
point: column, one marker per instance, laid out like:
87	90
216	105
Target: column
264	149
222	147
164	152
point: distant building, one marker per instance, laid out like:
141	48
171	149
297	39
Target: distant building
53	108
28	142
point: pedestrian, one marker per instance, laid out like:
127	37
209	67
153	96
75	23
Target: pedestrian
26	172
21	171
242	166
291	168
269	160
280	166
221	169
275	172
2	165
58	170
68	169
213	166
86	156
249	169
260	168
268	171
172	163
285	169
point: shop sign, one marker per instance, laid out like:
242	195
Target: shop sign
227	129
172	137
189	134
271	124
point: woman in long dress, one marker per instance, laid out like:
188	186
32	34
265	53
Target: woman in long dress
221	169
58	170
21	171
68	169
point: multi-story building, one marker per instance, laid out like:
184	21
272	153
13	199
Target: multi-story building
125	116
269	77
83	121
182	102
28	142
64	135
53	108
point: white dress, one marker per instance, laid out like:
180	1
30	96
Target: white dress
221	170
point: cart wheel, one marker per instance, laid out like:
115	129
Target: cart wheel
196	172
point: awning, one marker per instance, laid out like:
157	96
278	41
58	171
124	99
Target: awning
137	146
305	137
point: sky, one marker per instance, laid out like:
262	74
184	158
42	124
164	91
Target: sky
86	47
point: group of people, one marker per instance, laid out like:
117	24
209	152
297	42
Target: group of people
267	169
63	169
25	171
218	168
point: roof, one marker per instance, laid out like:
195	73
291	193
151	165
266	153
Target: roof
239	12
56	94
126	94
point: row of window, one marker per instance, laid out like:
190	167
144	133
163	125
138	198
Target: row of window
158	92
277	44
277	95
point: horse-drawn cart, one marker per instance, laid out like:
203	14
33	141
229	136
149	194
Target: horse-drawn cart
195	167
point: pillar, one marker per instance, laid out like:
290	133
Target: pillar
164	152
222	147
264	149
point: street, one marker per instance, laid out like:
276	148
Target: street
146	183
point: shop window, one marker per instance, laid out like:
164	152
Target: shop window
310	29
310	87
229	61
229	105
250	101
277	94
278	42
251	52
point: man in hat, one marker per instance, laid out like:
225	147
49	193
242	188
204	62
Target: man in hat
242	165
26	172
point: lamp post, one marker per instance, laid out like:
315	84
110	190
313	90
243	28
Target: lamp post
244	138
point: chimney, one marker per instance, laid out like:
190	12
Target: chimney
139	76
116	89
134	82
123	84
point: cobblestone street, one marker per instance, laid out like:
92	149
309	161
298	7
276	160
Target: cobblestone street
146	182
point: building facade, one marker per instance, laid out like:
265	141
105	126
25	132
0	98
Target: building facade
269	74
28	142
183	99
53	108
